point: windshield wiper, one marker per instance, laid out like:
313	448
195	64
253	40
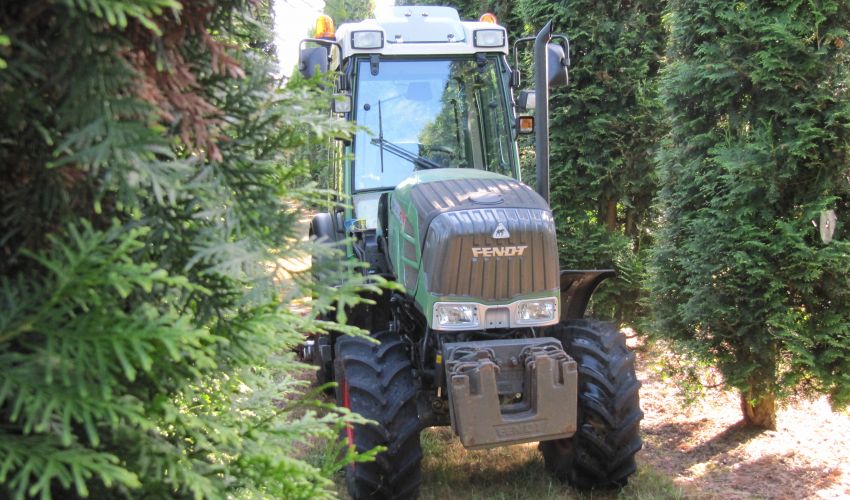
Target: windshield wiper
399	151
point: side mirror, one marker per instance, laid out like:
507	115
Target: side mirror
313	61
341	103
526	101
558	63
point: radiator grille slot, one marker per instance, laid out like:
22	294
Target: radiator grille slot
501	269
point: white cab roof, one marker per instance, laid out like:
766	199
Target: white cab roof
419	30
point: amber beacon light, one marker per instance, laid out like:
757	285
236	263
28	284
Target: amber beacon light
324	27
487	17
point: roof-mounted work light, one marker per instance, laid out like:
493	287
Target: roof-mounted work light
489	38
367	39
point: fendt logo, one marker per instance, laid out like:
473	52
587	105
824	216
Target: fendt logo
499	251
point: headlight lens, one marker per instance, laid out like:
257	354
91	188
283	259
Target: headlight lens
537	311
489	38
367	39
455	315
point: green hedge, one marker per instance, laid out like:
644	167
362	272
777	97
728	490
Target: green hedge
146	194
757	96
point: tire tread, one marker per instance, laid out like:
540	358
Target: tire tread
602	452
381	388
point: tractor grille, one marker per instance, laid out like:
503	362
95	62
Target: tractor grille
451	266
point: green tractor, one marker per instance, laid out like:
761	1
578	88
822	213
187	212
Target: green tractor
488	335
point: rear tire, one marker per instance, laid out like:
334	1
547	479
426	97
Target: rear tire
322	231
376	381
602	452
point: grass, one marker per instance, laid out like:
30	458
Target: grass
512	472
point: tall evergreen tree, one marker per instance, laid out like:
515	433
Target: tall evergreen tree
144	344
343	11
472	9
758	98
604	130
504	10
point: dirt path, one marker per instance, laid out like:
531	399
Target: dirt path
707	450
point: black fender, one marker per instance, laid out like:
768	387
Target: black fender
322	227
577	286
322	231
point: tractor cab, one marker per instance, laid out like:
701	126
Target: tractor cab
427	114
427	90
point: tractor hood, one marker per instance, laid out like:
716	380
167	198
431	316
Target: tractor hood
437	191
467	235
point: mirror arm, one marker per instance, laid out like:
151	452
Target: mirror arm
516	75
320	41
515	78
565	44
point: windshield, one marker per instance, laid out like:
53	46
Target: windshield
450	113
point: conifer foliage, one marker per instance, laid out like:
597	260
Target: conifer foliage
344	11
760	112
143	342
604	127
504	10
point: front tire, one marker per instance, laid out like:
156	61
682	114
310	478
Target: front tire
376	381
602	452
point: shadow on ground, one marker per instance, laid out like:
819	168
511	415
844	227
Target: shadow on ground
681	450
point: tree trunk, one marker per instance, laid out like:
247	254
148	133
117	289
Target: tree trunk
759	411
611	214
631	224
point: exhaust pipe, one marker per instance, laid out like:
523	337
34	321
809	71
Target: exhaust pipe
541	109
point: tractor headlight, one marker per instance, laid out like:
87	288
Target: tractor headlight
367	39
455	315
538	311
489	38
